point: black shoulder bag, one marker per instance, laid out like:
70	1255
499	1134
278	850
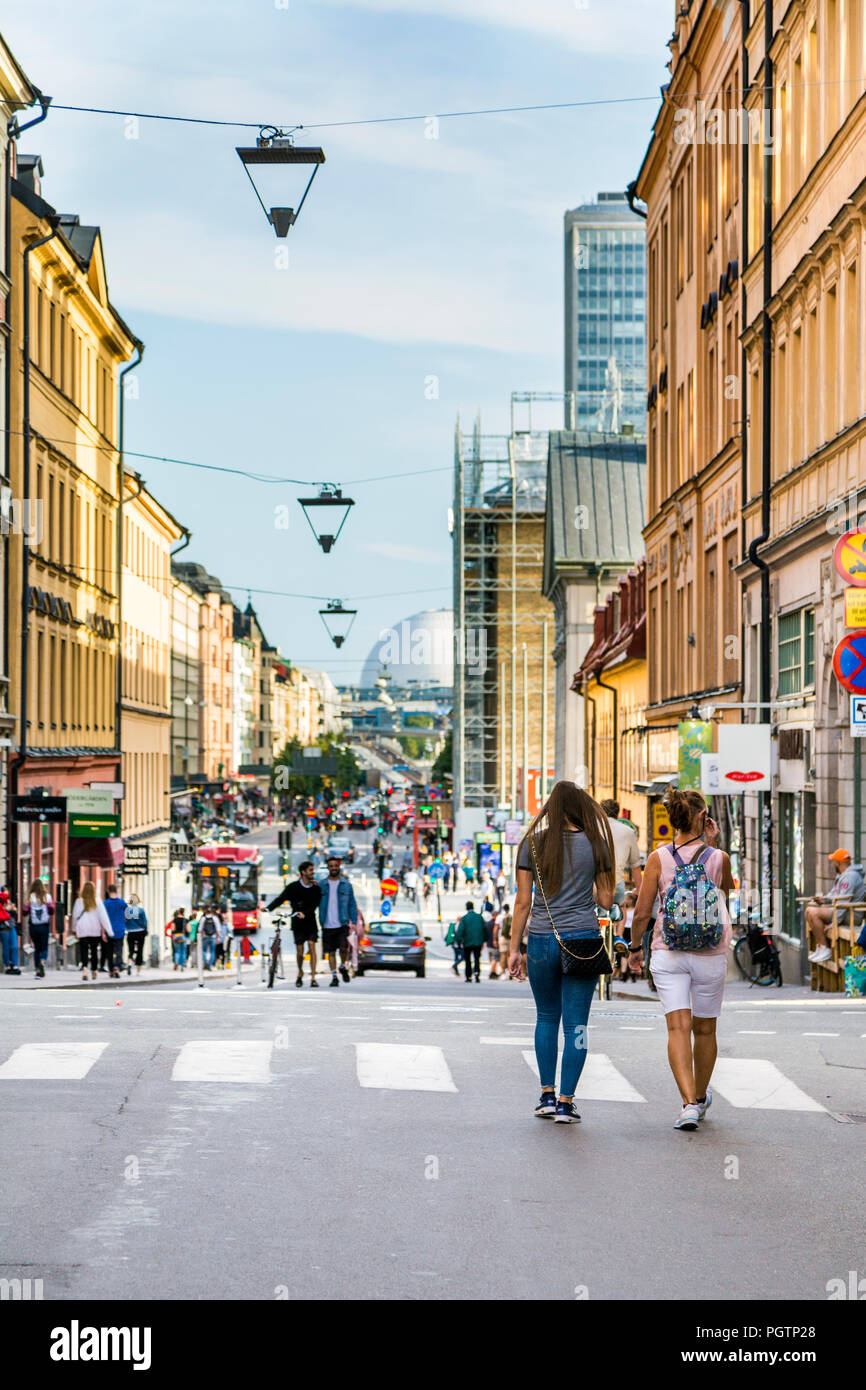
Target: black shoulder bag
583	957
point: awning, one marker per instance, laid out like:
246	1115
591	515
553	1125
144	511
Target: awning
103	853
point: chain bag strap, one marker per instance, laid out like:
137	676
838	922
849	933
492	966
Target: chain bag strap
571	962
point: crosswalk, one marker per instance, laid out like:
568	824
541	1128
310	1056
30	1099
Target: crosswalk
744	1083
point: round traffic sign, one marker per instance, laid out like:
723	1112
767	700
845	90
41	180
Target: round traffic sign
385	907
850	557
849	662
390	886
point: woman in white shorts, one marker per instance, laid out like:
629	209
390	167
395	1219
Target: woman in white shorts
690	984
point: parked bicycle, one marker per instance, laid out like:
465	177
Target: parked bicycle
757	955
275	962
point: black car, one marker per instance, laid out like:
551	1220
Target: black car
392	945
359	820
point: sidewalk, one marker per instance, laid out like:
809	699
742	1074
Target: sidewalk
70	978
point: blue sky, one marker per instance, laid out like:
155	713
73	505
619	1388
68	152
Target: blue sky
413	257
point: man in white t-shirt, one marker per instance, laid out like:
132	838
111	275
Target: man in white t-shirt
625	848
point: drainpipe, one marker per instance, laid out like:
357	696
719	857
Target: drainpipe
589	740
118	549
631	194
766	444
21	756
615	769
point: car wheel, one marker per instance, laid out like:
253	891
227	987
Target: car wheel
359	974
421	974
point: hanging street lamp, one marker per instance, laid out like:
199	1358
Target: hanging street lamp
330	496
275	146
334	619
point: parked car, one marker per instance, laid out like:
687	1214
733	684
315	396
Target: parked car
392	945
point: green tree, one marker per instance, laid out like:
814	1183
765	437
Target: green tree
442	767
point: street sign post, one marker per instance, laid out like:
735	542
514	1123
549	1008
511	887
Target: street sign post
849	662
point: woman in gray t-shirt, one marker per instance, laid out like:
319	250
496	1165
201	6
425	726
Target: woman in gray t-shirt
574	860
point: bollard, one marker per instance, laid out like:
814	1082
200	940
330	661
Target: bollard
199	946
240	962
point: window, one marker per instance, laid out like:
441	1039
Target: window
796	651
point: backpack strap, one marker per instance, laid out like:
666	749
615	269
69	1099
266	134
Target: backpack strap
678	860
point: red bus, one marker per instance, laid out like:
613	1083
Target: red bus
228	875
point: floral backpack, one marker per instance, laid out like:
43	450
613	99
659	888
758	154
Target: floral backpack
690	908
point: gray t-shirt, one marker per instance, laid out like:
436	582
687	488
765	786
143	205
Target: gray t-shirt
573	907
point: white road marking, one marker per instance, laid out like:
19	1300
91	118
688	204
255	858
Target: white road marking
634	1028
506	1042
143	1010
402	1067
820	1035
758	1032
223	1061
52	1061
599	1080
754	1084
75	1018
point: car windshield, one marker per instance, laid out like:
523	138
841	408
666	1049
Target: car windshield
393	929
338	844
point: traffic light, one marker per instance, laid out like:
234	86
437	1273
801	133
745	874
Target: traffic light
389	791
425	810
345	796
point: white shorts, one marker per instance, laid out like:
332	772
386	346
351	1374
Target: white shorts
686	980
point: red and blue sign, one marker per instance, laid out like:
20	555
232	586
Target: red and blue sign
849	662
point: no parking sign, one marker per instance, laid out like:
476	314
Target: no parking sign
849	662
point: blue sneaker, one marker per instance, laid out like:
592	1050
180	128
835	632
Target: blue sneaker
546	1107
566	1113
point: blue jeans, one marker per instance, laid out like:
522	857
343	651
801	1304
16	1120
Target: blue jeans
180	952
39	937
208	944
9	940
558	996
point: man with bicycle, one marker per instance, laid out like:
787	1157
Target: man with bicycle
303	897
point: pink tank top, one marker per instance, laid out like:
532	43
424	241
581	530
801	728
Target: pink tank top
713	866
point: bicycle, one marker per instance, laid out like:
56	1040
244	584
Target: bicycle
757	955
275	963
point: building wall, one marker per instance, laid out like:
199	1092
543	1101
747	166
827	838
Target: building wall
605	313
818	443
216	675
185	679
78	344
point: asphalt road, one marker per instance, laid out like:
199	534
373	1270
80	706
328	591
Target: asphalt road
377	1141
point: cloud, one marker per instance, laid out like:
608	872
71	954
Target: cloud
615	27
408	554
401	296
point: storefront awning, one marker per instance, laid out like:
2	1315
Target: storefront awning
103	853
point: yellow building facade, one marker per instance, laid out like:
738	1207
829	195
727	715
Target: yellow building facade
67	732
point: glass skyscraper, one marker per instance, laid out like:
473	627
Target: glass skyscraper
605	316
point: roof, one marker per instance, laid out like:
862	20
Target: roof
198	578
605	474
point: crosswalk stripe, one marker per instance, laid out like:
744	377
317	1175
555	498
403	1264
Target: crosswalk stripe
223	1061
51	1061
599	1080
402	1067
507	1042
754	1084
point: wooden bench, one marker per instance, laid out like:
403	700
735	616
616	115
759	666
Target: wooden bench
828	976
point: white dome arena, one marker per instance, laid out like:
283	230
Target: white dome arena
416	651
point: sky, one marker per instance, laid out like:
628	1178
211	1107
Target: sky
423	279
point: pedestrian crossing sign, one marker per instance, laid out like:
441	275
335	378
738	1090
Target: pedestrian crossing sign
858	716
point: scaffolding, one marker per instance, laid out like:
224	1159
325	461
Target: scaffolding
502	719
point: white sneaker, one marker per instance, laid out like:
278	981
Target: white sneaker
822	953
689	1117
811	955
704	1105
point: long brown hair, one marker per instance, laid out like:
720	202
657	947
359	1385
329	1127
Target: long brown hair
37	890
570	806
88	896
